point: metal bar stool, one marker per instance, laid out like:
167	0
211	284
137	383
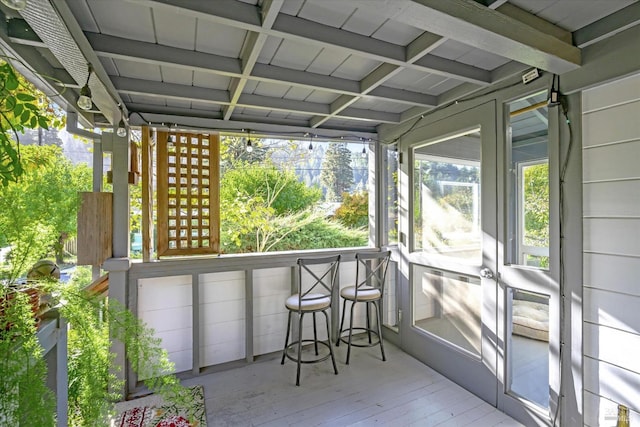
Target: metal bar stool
315	288
371	272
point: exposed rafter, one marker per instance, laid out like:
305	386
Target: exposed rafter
220	97
152	53
250	51
475	25
243	15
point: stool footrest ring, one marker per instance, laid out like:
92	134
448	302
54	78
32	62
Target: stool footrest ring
345	339
294	348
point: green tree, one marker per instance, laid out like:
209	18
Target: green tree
260	206
233	151
22	107
279	189
39	212
337	174
354	211
536	205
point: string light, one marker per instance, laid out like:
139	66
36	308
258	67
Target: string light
84	100
249	146
122	129
15	4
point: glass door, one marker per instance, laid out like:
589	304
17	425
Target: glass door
452	320
528	288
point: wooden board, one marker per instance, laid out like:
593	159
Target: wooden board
95	228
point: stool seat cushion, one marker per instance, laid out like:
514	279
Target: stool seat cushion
310	302
365	293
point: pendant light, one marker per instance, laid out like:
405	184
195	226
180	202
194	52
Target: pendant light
249	147
15	4
122	129
84	100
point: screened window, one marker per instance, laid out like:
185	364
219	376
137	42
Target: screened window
295	194
529	182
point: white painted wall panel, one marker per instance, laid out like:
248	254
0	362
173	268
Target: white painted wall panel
613	346
222	317
612	235
611	229
271	288
614	93
612	382
164	304
610	272
602	412
618	198
612	309
612	162
615	124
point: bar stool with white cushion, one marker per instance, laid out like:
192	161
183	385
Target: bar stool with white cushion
371	272
315	290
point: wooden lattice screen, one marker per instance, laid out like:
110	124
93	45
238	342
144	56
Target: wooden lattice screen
188	193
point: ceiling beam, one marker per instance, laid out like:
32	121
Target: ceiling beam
418	48
246	16
53	22
536	22
291	27
608	26
156	115
471	23
250	52
220	97
152	53
53	82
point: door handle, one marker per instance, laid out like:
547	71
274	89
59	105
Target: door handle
486	273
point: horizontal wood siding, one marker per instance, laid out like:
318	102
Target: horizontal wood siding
164	304
222	317
611	250
271	288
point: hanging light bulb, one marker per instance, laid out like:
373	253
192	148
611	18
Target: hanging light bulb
249	147
364	151
122	129
15	4
311	143
84	101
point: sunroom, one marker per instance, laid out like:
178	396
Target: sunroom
493	144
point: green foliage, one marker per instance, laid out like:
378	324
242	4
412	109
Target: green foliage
233	151
320	233
39	212
277	189
25	400
354	211
536	208
93	385
22	107
461	200
337	174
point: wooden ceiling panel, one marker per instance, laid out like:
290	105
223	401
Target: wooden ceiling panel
174	29
124	19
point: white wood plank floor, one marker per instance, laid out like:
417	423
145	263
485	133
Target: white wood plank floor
399	392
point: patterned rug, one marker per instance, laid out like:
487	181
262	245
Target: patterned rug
153	411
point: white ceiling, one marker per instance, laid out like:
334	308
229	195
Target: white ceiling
334	67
